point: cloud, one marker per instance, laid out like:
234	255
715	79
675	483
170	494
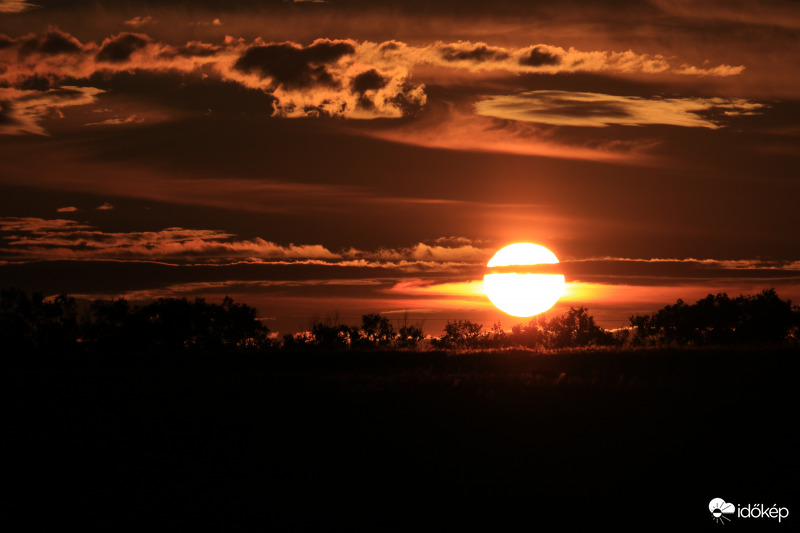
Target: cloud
119	48
672	271
776	13
52	42
294	66
563	108
69	209
36	239
38	225
22	110
548	59
215	22
31	239
440	251
15	6
328	78
538	56
133	119
105	207
467	52
345	77
451	128
325	78
138	22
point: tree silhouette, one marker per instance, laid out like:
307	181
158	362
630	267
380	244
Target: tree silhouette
170	324
33	323
409	335
719	320
574	329
330	336
375	332
461	334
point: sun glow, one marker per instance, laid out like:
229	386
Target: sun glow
523	293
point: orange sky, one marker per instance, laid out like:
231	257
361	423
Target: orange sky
320	158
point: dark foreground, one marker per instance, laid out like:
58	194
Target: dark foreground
385	441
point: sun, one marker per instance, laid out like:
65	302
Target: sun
513	285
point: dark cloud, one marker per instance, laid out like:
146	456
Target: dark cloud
6	113
538	57
407	102
370	80
36	83
185	92
599	109
294	66
478	53
118	49
192	49
53	42
6	41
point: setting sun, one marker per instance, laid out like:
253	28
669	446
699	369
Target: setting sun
523	293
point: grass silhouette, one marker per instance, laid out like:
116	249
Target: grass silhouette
392	440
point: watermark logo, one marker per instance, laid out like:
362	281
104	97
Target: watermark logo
720	508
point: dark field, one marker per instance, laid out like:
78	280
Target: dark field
420	441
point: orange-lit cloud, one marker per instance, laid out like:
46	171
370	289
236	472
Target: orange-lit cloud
42	239
563	108
28	239
455	129
441	278
138	22
347	78
460	252
548	59
132	119
15	6
21	111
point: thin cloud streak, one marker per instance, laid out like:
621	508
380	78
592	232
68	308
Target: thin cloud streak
453	129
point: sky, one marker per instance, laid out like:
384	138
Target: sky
324	160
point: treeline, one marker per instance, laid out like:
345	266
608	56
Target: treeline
34	324
31	323
719	320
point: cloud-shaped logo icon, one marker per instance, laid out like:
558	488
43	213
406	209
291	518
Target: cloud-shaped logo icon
719	508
